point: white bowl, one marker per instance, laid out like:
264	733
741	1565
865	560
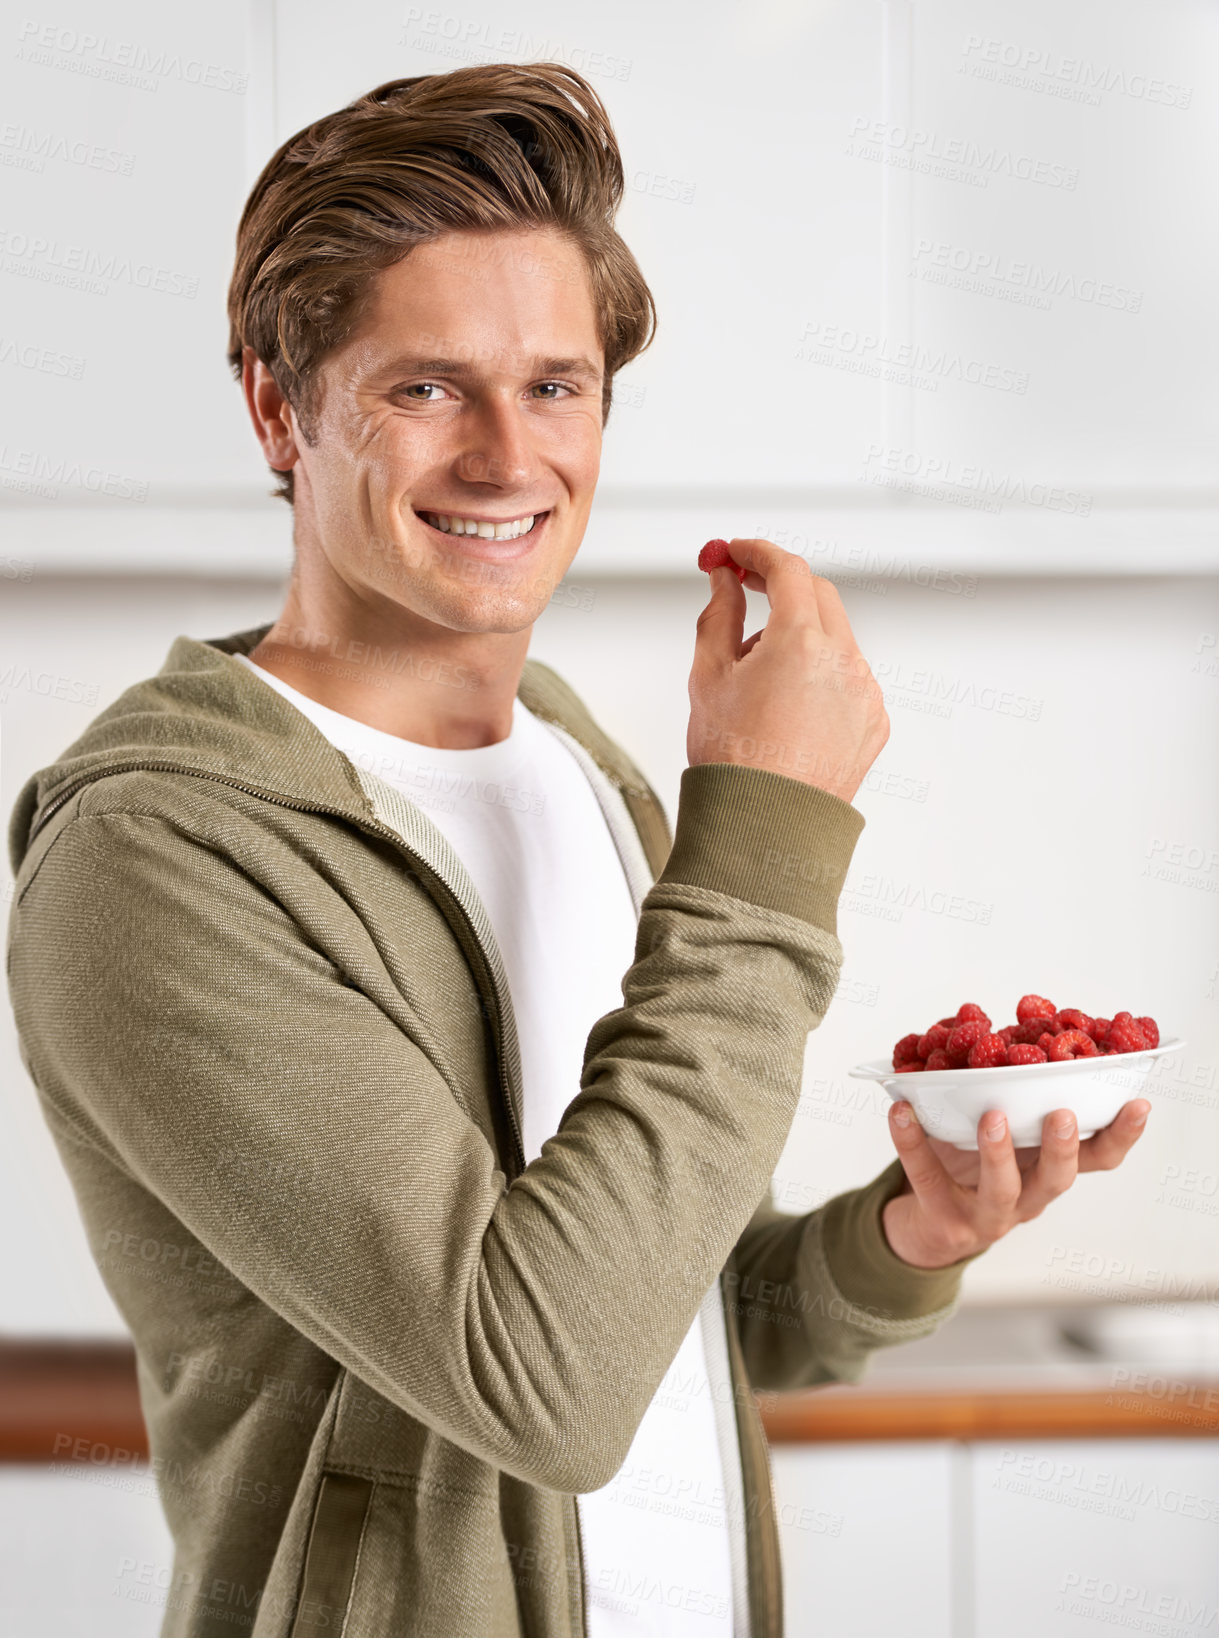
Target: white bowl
949	1103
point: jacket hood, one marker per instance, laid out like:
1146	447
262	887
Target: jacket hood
203	711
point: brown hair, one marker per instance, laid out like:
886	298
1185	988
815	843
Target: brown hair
489	147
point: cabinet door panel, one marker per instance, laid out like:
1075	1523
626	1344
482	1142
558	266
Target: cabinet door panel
1079	1536
866	1533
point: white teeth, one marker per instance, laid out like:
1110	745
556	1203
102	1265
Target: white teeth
486	531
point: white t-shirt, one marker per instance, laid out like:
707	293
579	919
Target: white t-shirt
526	824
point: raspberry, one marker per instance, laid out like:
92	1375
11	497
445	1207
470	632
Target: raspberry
970	1012
1100	1030
1008	1031
1125	1035
1024	1052
935	1037
715	555
938	1060
1033	1006
987	1052
909	1069
1072	1018
906	1051
963	1039
949	1023
1045	1043
1030	1033
1072	1043
1150	1029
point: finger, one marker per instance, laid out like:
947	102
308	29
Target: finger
834	619
1110	1146
785	578
933	1188
999	1179
748	644
1057	1164
720	626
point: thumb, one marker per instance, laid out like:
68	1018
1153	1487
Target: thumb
721	625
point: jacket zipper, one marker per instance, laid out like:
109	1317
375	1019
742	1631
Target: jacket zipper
638	885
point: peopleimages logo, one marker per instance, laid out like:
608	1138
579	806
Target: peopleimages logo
99	56
84	267
863	352
990	273
954	158
945	477
1036	68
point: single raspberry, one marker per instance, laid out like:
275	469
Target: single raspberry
988	1052
938	1059
1030	1032
1024	1052
910	1069
1125	1035
1150	1029
1072	1043
1008	1031
1045	1043
1072	1018
950	1022
906	1051
715	555
935	1037
962	1040
1100	1030
970	1012
1033	1006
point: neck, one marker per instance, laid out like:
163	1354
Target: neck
387	666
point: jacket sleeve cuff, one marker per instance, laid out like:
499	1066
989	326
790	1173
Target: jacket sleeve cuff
864	1266
763	837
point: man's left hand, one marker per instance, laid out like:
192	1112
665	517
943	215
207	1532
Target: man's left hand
956	1202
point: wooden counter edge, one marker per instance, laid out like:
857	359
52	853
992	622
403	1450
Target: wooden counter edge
1164	1408
77	1401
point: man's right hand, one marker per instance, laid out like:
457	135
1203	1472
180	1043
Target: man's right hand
798	697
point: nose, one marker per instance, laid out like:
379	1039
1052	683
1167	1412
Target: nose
500	448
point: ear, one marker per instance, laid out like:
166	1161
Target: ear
270	412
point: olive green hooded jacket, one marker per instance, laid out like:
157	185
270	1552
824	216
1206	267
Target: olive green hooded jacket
269	1030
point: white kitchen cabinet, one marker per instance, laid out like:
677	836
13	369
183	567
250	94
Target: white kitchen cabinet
1072	1537
124	144
86	1551
866	1533
999	1540
914	307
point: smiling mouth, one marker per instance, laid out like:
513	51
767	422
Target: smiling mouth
459	528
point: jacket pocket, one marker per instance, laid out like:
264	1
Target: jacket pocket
434	1563
331	1557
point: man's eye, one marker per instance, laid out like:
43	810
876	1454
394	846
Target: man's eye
429	386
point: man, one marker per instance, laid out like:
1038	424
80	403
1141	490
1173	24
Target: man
419	1089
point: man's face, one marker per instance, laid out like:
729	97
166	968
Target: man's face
508	427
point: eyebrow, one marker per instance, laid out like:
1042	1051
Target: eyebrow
464	368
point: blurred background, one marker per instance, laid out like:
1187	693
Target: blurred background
935	289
